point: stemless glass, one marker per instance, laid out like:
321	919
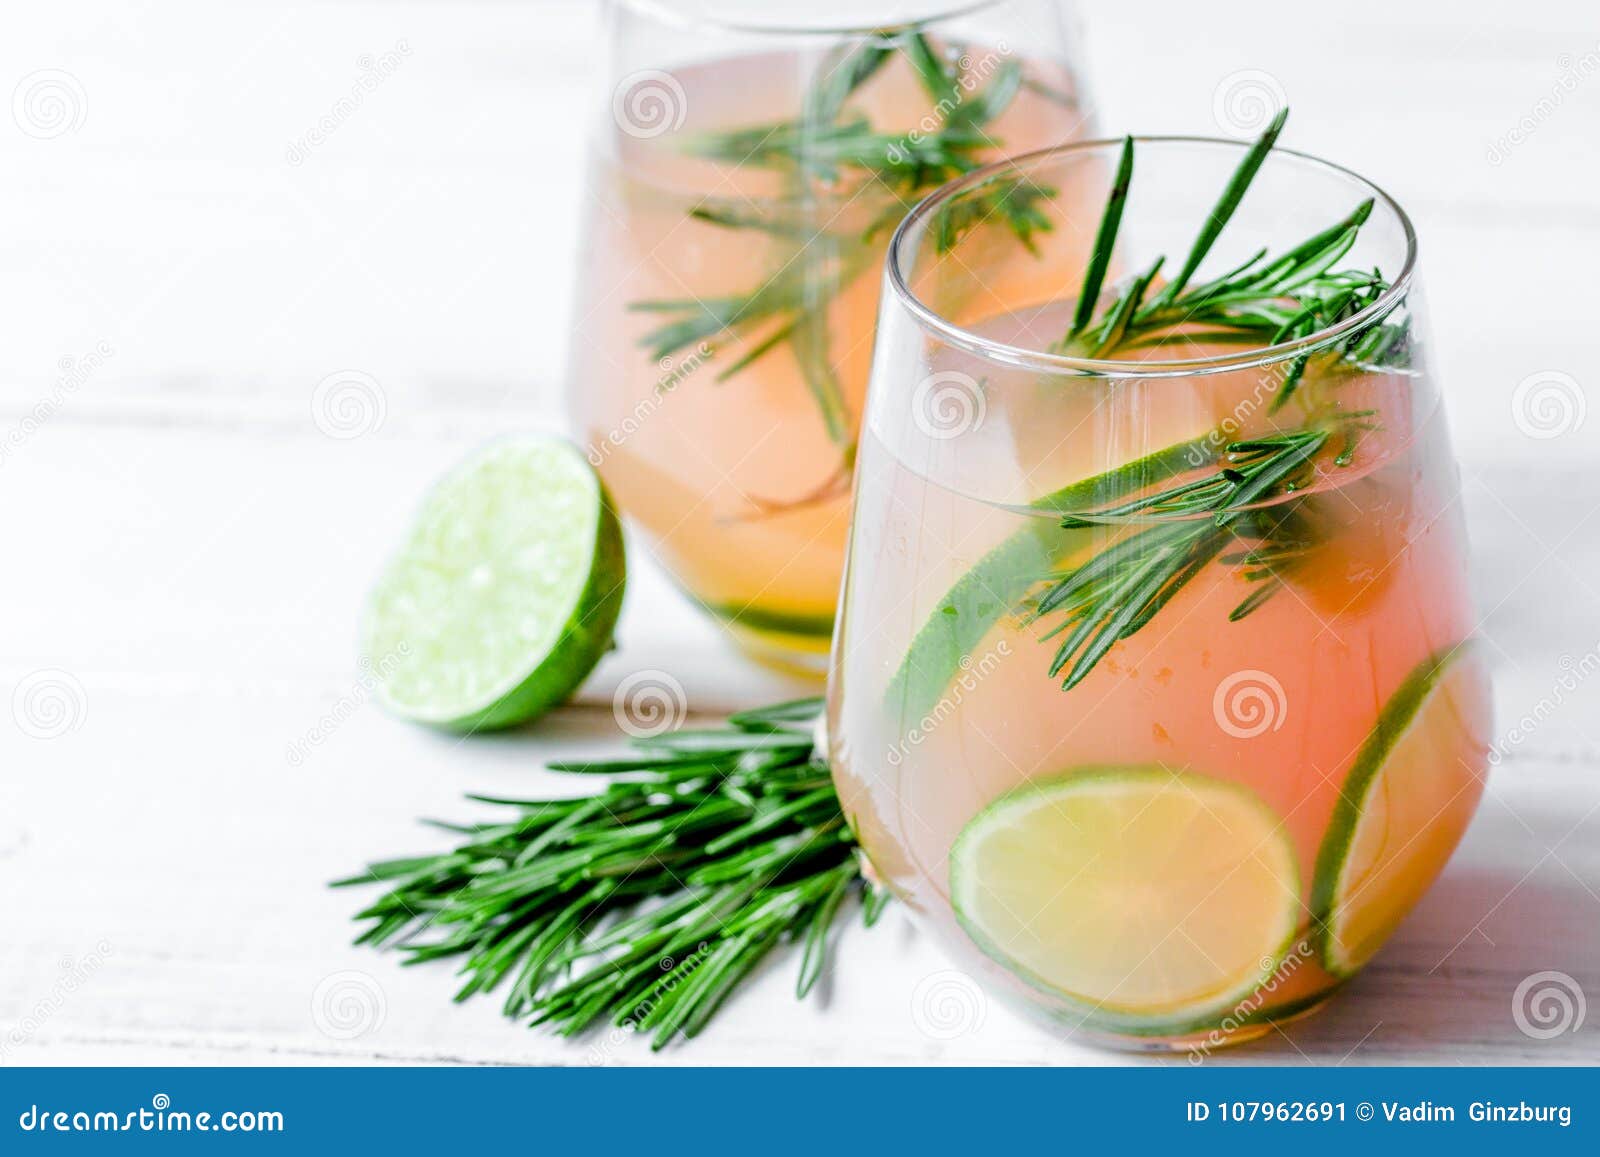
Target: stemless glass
745	177
1165	771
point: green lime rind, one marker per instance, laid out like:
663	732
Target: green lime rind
1131	477
979	599
1084	1011
504	595
1223	1019
1396	718
998	582
585	637
779	622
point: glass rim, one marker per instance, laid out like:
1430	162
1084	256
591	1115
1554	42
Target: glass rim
1026	358
669	11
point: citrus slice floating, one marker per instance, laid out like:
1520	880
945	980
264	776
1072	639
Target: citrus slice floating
505	593
1407	800
1148	896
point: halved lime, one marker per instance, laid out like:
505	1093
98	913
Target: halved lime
1147	896
1407	800
505	593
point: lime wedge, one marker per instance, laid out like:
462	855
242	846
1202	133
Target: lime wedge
1403	808
504	595
1147	896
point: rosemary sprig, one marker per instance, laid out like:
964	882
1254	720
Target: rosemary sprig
1248	510
816	153
646	903
825	144
1119	590
1263	301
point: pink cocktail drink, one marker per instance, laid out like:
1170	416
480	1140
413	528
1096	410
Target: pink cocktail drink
1154	693
738	213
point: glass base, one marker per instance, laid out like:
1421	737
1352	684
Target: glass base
793	644
792	654
1200	1045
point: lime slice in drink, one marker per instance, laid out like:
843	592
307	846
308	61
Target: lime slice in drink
1407	800
1147	896
504	595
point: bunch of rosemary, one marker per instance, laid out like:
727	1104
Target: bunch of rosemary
643	904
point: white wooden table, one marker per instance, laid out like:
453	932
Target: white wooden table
188	549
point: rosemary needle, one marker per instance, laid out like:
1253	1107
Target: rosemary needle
1252	499
1266	300
646	903
816	153
1105	238
1120	589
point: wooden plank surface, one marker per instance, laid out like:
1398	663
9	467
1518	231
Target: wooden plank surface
190	549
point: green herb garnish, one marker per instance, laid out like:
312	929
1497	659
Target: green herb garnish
1115	593
998	584
817	153
1109	593
1263	301
645	904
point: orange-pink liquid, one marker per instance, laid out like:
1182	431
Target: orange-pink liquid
738	484
1279	702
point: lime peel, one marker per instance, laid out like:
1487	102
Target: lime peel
1363	815
504	595
1151	901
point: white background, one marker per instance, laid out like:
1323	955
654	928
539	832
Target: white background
189	549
